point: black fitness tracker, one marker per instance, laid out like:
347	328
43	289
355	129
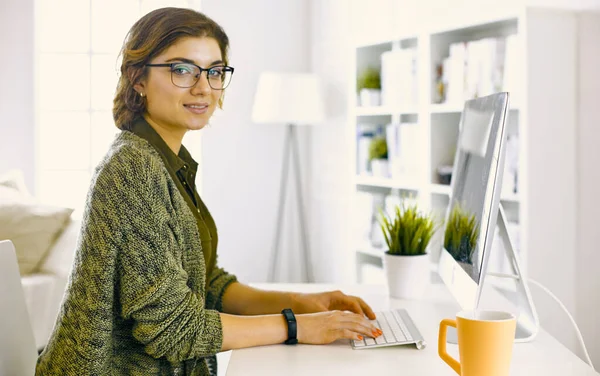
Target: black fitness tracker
292	326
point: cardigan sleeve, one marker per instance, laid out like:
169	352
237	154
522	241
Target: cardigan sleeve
168	318
218	283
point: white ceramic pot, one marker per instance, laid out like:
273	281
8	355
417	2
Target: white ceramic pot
370	97
380	168
407	276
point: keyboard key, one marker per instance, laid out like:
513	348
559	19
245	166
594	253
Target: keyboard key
402	325
393	327
388	332
380	340
399	334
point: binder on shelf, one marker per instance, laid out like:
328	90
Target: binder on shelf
392	136
399	77
475	69
363	141
402	141
454	77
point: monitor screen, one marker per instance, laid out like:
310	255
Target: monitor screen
473	183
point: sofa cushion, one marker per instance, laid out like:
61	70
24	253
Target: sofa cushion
32	227
59	260
43	294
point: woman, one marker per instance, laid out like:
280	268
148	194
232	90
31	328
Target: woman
146	296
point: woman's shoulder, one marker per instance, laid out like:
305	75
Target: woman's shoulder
130	155
128	144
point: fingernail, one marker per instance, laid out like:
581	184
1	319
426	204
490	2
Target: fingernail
375	334
360	338
379	331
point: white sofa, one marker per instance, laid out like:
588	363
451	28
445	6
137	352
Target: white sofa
44	290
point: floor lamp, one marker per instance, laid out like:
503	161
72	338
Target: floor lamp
290	99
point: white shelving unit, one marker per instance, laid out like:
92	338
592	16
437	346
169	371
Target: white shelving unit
542	114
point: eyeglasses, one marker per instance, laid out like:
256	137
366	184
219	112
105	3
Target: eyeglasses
186	75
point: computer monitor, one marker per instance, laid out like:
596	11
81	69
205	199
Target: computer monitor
475	210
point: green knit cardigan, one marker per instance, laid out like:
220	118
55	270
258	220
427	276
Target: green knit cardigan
136	302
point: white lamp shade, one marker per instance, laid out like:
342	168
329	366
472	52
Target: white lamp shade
288	98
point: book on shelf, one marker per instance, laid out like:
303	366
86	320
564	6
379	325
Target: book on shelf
478	68
399	86
454	72
403	150
364	137
485	67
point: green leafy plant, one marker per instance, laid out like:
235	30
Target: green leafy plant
409	232
369	79
378	149
462	232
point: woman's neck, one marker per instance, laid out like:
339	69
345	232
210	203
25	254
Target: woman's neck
172	138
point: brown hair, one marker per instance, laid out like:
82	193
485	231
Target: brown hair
149	37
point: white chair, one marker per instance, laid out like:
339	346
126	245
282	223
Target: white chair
18	354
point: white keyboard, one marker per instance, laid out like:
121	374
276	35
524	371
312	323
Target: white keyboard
398	329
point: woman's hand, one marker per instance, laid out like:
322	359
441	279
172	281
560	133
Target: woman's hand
329	301
326	327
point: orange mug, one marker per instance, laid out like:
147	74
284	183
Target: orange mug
485	342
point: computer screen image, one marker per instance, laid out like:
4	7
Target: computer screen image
475	211
461	238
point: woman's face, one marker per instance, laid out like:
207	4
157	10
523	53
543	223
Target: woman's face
177	109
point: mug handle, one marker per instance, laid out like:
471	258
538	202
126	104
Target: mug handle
444	324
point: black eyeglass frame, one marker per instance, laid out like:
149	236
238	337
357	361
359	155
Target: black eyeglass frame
226	68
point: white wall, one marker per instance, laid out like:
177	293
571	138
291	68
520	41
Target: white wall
588	257
241	160
16	88
331	190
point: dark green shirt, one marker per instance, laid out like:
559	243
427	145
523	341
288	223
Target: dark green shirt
183	169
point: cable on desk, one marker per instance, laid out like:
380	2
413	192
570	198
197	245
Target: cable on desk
544	288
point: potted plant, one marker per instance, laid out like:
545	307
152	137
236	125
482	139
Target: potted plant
460	239
378	155
406	262
368	85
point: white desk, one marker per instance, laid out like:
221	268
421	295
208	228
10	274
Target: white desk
545	356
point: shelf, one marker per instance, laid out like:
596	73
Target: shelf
452	108
373	181
373	111
446	108
385	111
368	249
443	189
510	198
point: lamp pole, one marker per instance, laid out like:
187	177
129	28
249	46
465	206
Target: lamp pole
290	146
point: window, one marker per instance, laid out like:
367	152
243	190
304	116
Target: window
77	47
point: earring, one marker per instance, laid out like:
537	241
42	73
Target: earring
142	95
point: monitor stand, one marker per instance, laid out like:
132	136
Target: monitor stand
527	320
